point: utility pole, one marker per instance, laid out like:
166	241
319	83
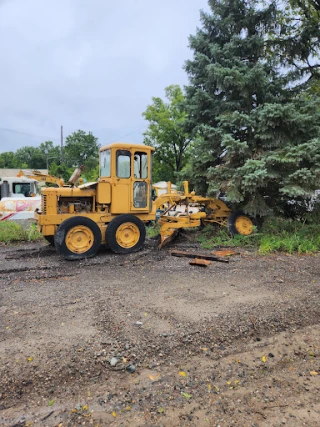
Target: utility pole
61	149
47	157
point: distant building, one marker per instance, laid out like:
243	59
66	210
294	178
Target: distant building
14	172
162	187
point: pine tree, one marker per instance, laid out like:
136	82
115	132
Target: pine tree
258	134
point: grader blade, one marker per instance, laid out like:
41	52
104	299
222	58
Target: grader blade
171	225
167	237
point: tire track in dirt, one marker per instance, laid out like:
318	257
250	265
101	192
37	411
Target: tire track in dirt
152	310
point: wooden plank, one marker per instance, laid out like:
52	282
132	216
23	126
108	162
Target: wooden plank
200	262
225	252
199	256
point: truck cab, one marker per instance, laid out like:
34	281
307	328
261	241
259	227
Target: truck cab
19	197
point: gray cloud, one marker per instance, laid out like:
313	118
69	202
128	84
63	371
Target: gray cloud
88	64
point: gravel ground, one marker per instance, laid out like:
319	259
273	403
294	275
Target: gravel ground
148	340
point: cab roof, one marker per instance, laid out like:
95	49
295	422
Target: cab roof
126	146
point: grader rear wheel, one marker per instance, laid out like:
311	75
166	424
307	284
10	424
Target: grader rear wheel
239	223
77	238
125	234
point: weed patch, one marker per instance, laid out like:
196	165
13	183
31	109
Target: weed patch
153	230
10	231
276	234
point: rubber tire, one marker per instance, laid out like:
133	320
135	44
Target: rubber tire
65	227
232	221
112	230
50	240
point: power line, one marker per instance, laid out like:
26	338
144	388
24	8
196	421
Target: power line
60	139
28	134
128	134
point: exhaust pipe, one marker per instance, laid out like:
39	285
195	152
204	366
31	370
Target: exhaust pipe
76	175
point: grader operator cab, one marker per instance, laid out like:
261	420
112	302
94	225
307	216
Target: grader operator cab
113	211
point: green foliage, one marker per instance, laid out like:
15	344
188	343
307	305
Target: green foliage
300	39
166	132
153	230
50	153
10	231
81	149
8	160
276	234
92	171
61	171
289	236
258	134
32	233
31	157
214	236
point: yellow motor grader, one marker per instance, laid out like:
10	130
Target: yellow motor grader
114	210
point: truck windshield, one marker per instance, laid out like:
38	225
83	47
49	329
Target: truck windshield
22	188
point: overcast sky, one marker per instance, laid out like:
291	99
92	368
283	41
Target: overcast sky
88	64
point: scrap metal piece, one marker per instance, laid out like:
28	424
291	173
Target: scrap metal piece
198	256
225	252
200	262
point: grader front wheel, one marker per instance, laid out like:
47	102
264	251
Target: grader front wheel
239	223
125	234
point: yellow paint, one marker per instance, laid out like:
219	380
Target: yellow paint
120	197
79	239
104	193
244	225
128	235
104	200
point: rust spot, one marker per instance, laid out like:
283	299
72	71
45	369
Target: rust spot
200	262
225	252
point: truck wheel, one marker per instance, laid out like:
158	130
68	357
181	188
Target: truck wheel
125	234
239	223
77	238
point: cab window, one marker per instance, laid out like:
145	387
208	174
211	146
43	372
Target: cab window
105	163
140	165
123	166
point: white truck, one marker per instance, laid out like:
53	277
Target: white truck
19	197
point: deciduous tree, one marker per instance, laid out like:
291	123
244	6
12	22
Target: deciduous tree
8	160
81	148
166	132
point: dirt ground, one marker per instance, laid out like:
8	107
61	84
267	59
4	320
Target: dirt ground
232	344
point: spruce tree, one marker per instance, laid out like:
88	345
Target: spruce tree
258	133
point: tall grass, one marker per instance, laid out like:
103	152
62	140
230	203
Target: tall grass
276	234
10	231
